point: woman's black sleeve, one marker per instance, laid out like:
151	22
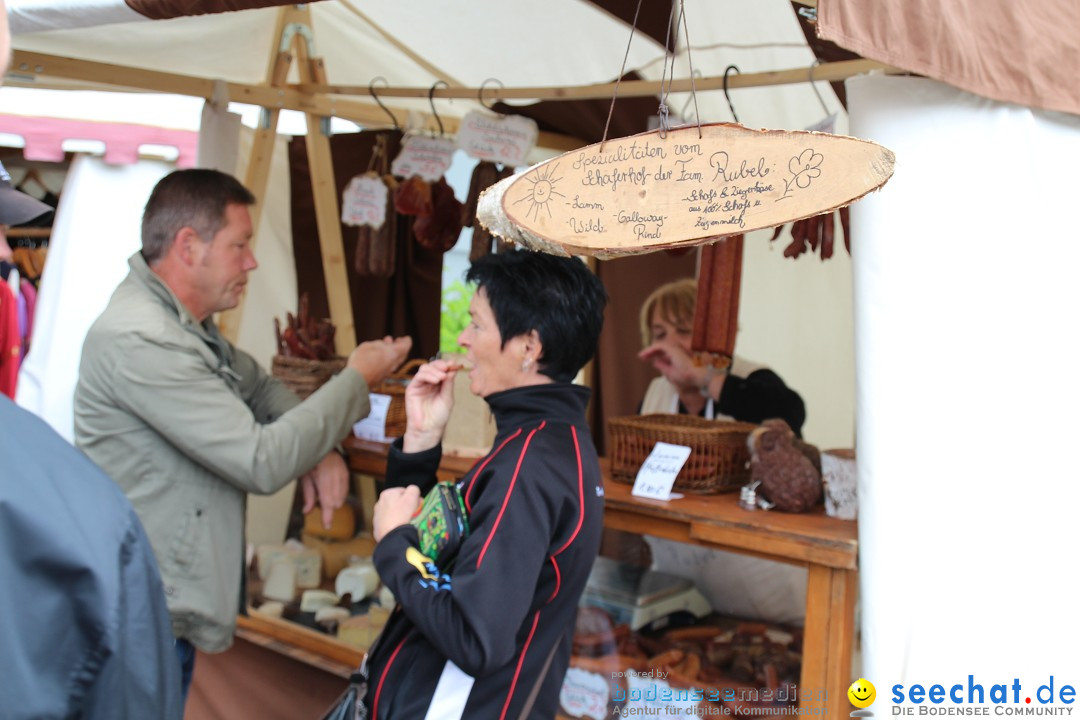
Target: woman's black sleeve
759	396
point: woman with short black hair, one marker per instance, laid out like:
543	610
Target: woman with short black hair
490	636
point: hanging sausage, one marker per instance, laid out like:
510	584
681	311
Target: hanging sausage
376	248
818	231
716	315
439	229
485	174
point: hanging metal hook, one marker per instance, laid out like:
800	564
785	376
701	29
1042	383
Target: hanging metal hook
371	89
431	101
726	96
480	92
814	87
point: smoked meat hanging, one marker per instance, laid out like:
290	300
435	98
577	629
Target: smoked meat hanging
716	315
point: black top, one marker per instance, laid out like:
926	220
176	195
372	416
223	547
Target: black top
759	396
488	628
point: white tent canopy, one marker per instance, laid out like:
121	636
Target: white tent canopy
939	537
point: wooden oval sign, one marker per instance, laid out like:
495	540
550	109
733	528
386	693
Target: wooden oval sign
645	192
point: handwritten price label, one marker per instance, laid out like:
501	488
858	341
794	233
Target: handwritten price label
427	157
364	201
505	139
658	472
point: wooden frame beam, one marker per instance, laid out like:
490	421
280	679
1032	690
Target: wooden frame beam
826	72
325	100
324	190
257	174
284	98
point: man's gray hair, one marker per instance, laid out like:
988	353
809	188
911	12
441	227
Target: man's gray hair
188	198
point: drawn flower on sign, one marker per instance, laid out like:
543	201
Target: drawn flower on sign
542	190
804	167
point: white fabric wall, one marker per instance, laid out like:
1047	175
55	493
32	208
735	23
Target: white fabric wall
95	231
795	317
966	354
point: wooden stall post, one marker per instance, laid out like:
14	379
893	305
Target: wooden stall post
327	214
262	151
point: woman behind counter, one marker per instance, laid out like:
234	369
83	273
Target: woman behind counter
734	584
749	392
479	640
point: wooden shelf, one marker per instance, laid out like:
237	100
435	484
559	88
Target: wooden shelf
33	232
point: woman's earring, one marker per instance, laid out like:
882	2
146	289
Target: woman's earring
526	364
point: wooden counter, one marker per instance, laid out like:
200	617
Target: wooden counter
826	546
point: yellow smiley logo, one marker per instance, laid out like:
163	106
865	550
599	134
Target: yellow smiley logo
862	693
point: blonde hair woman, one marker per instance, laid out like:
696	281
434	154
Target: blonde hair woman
745	391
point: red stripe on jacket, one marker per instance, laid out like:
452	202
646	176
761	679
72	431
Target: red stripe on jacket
489	458
382	679
509	492
581	515
521	661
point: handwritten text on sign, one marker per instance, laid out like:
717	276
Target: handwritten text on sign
646	192
658	472
505	139
364	201
427	157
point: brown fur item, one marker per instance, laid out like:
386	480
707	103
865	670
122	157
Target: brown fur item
787	474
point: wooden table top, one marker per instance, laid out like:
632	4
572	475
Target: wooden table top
811	537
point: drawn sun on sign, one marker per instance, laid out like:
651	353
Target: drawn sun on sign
542	190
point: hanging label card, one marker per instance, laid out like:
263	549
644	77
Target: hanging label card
364	201
505	139
643	193
428	157
373	427
658	472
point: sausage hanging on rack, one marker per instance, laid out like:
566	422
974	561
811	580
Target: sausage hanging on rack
439	230
484	176
818	231
376	249
716	315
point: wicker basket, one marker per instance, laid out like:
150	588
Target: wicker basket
394	386
718	459
304	376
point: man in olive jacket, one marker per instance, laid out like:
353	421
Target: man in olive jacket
186	423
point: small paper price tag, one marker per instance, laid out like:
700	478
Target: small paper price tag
505	139
373	427
364	201
658	472
427	157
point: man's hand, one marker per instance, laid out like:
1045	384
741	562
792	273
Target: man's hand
428	400
327	482
395	508
376	359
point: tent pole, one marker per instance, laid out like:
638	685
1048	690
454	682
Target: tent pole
258	169
327	214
